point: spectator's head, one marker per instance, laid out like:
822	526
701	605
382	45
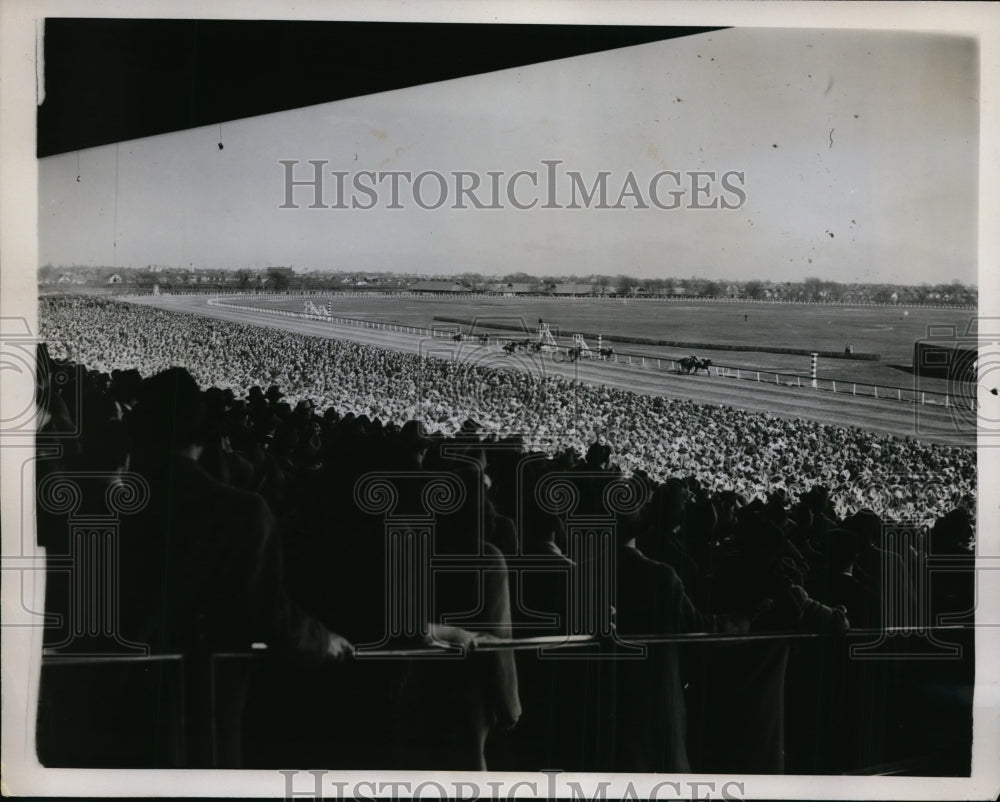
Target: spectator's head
309	453
105	444
802	515
840	550
414	441
761	543
286	440
952	533
751	511
470	428
776	509
628	527
264	422
726	505
866	527
598	456
818	498
170	412
668	503
215	409
703	520
125	386
256	396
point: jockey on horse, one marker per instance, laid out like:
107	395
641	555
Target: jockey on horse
691	364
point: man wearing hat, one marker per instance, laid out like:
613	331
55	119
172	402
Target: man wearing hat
201	566
414	441
255	397
469	430
599	455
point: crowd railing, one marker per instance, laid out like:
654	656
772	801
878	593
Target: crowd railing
191	692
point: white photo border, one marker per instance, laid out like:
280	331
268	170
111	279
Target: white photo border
21	23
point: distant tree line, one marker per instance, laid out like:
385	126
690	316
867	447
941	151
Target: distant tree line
283	279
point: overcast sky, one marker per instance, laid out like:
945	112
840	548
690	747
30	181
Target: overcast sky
874	177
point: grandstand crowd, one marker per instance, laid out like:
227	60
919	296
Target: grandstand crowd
255	445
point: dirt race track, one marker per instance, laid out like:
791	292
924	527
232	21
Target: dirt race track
930	422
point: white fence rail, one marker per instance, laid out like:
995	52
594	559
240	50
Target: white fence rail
862	389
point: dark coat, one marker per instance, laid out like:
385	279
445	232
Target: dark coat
650	719
202	567
448	706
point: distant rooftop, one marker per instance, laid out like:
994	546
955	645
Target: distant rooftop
572	288
437	286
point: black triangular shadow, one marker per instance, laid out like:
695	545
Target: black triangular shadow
110	80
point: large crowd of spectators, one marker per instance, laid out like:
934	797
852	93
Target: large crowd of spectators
256	443
750	453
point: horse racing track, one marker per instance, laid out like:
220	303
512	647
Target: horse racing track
407	330
889	332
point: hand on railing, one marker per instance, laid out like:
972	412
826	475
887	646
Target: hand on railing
741	623
839	622
338	648
818	617
440	634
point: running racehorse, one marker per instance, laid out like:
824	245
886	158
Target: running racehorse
513	346
607	353
691	364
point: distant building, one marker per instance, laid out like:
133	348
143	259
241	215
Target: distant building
437	287
572	288
515	288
